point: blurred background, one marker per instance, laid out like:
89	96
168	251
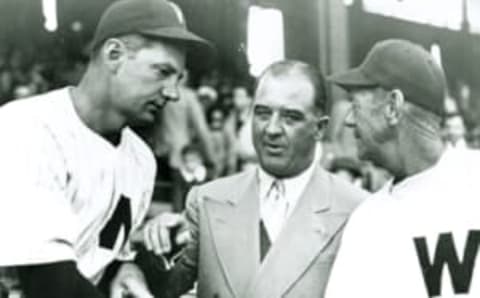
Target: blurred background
43	45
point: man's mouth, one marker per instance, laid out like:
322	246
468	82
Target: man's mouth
273	148
154	107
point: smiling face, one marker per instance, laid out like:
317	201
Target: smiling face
146	79
285	125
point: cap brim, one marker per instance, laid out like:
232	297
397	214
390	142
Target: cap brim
353	78
178	33
198	49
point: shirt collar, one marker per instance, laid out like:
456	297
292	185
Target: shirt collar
294	186
403	188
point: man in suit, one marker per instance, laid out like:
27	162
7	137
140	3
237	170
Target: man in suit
272	231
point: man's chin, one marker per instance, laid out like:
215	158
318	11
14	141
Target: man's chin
144	121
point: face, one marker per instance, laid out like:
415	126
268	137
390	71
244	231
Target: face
285	125
216	120
192	160
146	80
241	100
366	117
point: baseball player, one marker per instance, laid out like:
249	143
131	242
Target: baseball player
75	179
419	236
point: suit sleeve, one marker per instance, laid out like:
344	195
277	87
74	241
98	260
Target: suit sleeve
181	278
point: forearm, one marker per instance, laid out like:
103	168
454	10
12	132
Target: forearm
56	280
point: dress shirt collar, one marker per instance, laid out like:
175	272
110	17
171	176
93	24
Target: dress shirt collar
294	186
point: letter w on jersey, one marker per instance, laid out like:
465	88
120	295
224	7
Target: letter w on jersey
461	271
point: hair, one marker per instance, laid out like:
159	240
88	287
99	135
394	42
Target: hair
421	121
133	42
292	67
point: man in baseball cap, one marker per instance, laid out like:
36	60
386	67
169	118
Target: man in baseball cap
395	74
77	180
389	247
152	19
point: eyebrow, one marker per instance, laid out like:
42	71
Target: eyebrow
170	68
289	110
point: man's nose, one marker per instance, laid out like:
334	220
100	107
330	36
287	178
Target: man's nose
170	90
274	125
349	119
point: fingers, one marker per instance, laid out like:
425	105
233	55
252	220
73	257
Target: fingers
162	242
146	236
182	237
137	288
132	287
129	281
117	291
157	231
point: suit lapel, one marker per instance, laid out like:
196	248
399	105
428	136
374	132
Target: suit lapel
306	233
234	224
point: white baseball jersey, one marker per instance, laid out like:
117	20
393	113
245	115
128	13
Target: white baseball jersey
419	238
65	192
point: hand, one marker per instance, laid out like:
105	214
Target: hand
157	233
129	281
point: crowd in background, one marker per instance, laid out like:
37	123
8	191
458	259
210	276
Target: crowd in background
206	134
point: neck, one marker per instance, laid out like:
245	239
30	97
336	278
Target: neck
92	104
416	155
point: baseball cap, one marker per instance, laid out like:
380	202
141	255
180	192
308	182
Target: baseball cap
402	64
153	18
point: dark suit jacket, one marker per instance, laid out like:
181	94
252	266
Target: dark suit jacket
224	253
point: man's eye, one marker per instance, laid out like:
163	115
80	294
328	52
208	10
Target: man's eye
164	72
293	117
262	112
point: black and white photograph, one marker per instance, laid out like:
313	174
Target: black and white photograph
239	148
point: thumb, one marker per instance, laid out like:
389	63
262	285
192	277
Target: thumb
117	291
137	288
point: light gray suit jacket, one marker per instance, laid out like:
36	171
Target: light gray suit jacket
224	254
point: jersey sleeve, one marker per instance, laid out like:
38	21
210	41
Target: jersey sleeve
36	221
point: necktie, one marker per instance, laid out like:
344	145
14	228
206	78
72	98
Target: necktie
275	209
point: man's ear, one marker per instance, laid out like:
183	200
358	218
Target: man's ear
322	124
114	52
393	109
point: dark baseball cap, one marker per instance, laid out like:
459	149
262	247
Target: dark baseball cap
402	64
152	18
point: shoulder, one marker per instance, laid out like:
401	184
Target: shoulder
228	184
35	108
224	188
377	208
31	119
345	196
